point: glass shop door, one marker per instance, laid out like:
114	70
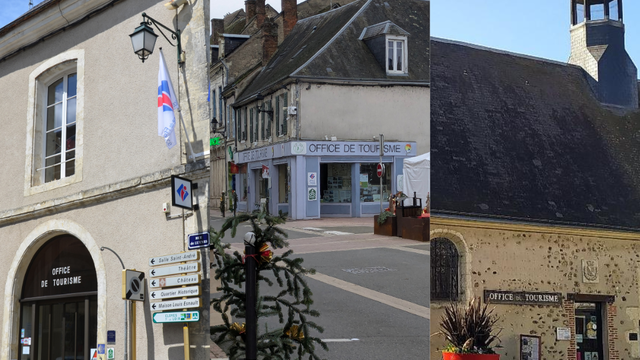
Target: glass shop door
589	334
58	330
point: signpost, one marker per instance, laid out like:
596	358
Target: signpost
199	240
175	269
175	281
175	292
174	317
196	241
175	258
175	304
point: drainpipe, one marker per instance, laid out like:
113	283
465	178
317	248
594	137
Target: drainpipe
298	109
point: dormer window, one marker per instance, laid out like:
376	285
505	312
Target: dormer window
388	43
396	55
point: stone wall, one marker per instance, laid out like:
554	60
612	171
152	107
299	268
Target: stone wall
512	257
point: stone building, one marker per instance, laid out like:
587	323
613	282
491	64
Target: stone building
303	117
86	171
536	174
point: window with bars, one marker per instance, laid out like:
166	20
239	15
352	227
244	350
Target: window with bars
59	130
396	55
444	270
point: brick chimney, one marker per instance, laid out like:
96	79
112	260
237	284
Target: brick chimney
260	13
269	40
250	9
217	28
290	15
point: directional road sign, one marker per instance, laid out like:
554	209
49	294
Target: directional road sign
132	285
175	281
175	269
198	240
174	258
175	304
173	317
175	292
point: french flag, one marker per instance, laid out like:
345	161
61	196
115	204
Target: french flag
167	103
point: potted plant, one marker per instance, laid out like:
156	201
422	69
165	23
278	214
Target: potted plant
470	331
385	223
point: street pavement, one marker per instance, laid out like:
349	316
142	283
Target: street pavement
372	291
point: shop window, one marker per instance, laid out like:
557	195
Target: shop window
370	183
283	184
444	270
243	186
335	183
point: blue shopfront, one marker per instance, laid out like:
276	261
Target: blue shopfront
313	179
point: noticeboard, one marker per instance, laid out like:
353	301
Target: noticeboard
529	347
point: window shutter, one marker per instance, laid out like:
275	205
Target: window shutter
277	115
244	119
285	113
269	120
262	128
251	125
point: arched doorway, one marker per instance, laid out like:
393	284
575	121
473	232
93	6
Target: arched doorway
58	304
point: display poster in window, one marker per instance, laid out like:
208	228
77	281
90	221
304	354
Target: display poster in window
364	180
592	329
529	347
312	194
312	179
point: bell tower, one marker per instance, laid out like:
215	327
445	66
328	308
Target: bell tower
597	45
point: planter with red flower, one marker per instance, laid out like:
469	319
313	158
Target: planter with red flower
470	331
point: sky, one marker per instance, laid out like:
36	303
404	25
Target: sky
538	28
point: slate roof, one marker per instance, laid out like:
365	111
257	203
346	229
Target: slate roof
521	138
328	46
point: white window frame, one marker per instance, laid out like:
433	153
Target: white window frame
405	65
44	75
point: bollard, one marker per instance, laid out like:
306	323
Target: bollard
250	265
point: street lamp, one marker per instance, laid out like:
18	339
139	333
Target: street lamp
143	38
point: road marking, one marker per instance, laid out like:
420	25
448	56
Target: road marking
416	251
337	233
399	304
340	340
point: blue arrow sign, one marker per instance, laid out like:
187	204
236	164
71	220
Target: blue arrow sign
199	240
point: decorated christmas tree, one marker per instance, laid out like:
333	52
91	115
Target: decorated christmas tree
291	339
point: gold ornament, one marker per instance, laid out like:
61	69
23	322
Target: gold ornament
265	254
295	333
240	329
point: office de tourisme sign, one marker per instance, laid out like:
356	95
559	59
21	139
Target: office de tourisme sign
522	298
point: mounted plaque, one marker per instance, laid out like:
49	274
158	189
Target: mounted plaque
522	298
